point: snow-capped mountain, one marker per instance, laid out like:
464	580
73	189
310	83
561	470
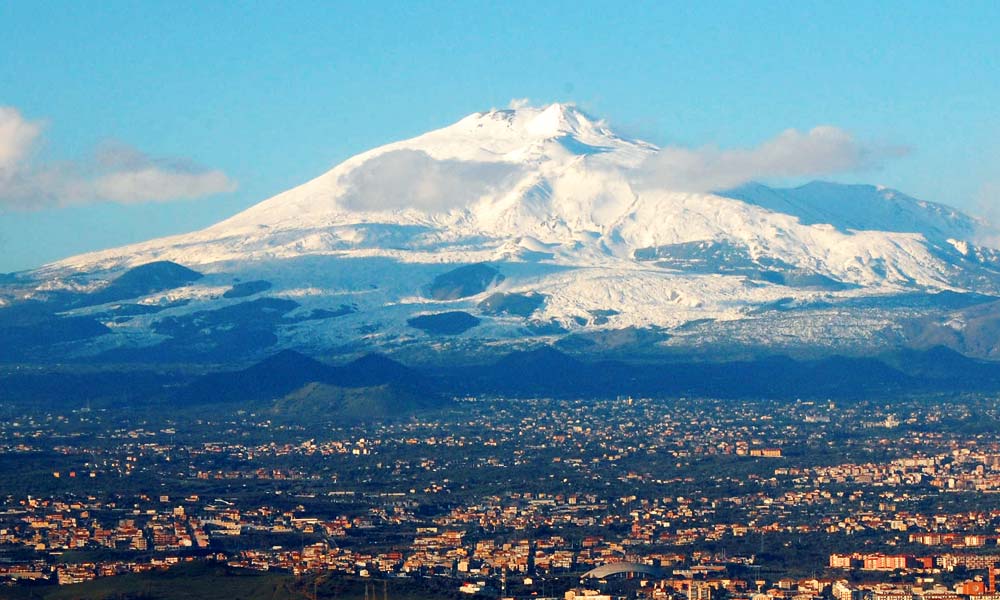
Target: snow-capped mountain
517	225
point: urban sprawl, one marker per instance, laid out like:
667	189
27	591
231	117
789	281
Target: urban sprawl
653	498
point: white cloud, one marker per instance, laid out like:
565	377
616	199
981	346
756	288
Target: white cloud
413	179
130	176
821	151
519	103
17	136
117	173
152	184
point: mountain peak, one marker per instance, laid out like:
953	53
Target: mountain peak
559	118
546	122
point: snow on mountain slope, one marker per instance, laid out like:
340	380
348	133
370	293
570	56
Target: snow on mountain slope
547	196
862	207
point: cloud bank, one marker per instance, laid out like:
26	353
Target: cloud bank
402	179
116	173
822	150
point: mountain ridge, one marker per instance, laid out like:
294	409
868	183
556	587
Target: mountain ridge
540	203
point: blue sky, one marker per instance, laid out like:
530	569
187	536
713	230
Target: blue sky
224	104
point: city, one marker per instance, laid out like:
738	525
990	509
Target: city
523	497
